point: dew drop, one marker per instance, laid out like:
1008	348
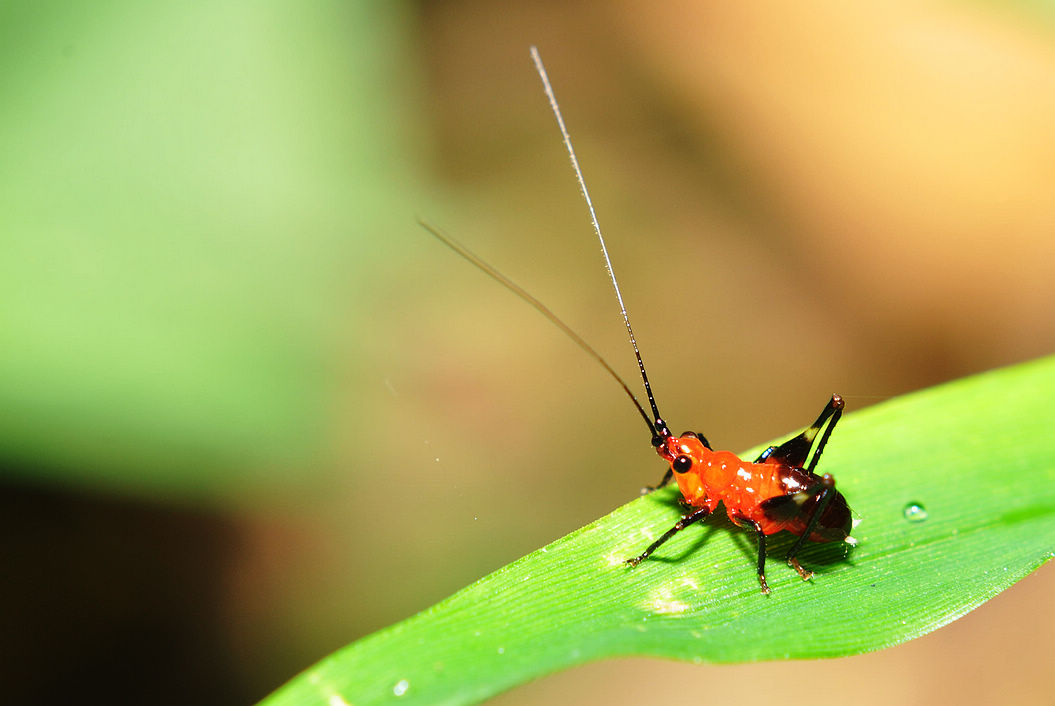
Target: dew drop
401	687
915	512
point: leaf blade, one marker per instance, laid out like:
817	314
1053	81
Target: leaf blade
977	454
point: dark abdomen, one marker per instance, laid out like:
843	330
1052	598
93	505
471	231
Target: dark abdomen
783	513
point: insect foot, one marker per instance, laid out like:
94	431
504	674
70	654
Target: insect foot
794	563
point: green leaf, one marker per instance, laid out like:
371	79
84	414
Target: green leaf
977	456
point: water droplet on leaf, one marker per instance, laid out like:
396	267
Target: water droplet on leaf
915	512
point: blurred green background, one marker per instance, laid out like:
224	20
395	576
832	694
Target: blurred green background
250	411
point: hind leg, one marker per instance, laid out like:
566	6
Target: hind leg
794	451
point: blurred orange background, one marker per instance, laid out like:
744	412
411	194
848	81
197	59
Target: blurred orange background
798	201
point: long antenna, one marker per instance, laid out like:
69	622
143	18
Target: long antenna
660	428
516	289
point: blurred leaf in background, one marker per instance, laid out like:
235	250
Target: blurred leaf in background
190	203
194	202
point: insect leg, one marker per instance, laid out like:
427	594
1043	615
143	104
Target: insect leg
678	527
701	437
794	451
826	485
666	479
744	522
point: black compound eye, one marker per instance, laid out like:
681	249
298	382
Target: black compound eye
681	464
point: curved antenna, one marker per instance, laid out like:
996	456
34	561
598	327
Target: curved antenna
660	428
542	308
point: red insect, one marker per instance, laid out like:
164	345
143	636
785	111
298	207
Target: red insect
778	491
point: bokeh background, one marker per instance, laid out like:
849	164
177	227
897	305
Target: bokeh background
250	411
